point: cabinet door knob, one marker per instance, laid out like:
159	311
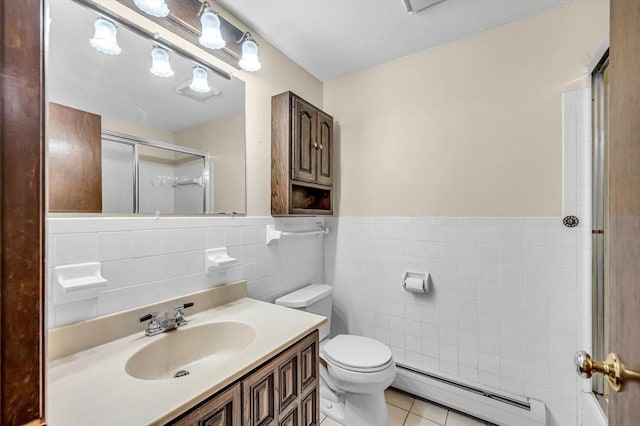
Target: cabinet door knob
321	146
315	145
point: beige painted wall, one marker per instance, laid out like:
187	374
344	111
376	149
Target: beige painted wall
470	128
278	74
223	139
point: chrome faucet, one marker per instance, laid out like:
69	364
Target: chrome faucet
156	327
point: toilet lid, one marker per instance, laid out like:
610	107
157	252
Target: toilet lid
357	353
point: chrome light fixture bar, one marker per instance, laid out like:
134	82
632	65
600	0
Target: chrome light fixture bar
211	37
159	41
197	22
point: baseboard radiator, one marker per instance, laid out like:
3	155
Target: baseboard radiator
489	405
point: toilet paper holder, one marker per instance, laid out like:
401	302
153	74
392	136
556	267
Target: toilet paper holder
417	282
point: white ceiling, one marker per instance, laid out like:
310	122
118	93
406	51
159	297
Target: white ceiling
121	86
333	38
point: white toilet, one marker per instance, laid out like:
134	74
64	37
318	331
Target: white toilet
358	369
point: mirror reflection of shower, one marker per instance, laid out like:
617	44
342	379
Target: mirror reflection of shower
600	285
142	176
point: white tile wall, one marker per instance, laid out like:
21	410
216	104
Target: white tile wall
146	259
511	299
504	306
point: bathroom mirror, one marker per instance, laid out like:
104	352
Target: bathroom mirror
186	149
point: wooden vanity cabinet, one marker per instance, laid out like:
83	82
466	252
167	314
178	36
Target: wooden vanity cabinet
283	391
223	409
301	157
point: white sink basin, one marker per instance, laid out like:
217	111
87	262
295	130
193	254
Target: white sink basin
189	349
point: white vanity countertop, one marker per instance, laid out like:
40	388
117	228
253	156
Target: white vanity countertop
91	387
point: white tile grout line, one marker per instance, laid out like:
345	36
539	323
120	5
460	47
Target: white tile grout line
431	420
406	416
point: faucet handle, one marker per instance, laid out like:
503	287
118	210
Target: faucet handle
152	316
183	306
179	315
154	326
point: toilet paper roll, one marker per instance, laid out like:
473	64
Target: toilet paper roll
415	284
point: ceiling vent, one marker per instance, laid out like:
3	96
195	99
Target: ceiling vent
184	90
415	6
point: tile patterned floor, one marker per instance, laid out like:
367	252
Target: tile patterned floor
405	410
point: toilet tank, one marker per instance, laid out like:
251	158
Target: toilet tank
314	298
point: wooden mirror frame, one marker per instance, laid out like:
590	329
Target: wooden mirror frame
22	213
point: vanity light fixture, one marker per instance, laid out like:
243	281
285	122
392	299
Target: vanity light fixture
160	65
199	83
211	37
249	61
105	37
153	7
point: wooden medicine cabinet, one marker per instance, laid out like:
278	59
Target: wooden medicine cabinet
301	157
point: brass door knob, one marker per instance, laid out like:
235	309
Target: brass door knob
612	368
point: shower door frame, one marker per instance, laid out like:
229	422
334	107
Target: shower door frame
136	141
599	224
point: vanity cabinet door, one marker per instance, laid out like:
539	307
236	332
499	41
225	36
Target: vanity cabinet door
309	364
221	410
288	381
309	412
290	418
284	391
259	397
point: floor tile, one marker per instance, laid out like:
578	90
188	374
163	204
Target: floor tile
398	399
457	419
396	415
413	420
429	411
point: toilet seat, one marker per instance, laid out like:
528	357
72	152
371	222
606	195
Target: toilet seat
357	353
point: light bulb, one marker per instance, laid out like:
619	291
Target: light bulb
153	7
160	65
199	83
249	60
105	37
211	36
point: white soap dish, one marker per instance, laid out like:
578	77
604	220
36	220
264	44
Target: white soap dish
218	258
78	277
